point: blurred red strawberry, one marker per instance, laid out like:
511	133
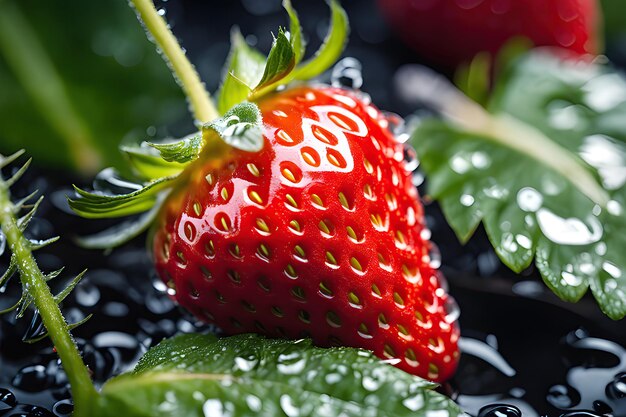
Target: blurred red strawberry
450	32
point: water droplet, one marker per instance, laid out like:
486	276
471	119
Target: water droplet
532	289
570	231
246	364
612	269
410	158
254	403
617	388
3	242
561	397
608	156
414	403
7	399
435	256
370	384
214	408
32	378
332	378
417	178
482	350
480	160
500	410
563	115
453	311
529	199
63	408
347	73
467	200
286	403
87	294
460	164
291	363
605	92
614	208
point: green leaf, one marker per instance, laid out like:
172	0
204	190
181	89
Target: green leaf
181	151
545	172
244	69
147	162
280	62
331	48
240	127
249	375
295	31
96	205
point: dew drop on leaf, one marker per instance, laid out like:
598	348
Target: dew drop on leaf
286	403
529	199
571	231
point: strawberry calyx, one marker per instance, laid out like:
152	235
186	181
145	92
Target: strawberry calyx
248	77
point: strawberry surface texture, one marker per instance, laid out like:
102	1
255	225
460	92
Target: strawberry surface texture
321	234
449	32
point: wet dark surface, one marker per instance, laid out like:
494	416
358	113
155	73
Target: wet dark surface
525	352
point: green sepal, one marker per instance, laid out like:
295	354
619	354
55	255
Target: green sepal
97	206
146	162
249	76
240	127
280	62
331	48
181	151
120	233
295	31
244	69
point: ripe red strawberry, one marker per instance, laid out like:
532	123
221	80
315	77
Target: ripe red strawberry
293	215
450	32
317	235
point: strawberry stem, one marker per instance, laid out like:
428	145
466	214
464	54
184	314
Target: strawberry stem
35	70
199	98
33	281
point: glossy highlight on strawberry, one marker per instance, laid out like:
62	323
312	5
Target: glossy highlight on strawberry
319	234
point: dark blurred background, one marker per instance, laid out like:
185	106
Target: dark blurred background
76	69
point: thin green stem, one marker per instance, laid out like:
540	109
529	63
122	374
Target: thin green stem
199	98
35	71
83	391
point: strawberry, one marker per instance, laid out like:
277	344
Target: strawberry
451	32
293	215
318	234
